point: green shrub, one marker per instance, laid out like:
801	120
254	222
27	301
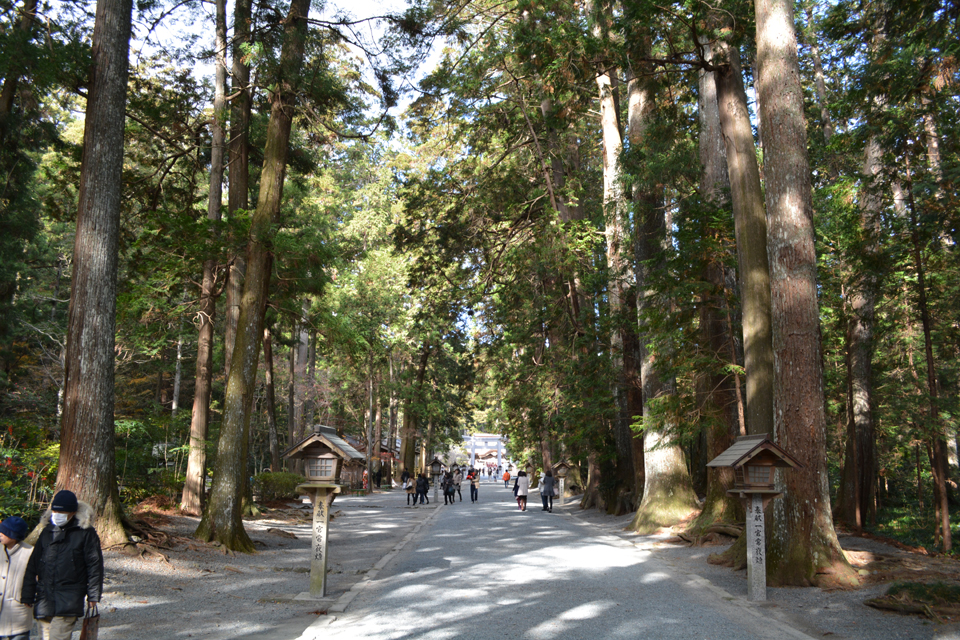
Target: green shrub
279	485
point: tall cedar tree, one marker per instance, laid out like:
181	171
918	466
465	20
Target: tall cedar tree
193	488
803	542
87	438
222	519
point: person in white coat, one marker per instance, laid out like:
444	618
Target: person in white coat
523	489
16	619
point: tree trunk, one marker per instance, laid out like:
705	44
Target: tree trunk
222	520
392	426
859	497
619	271
177	371
309	406
275	464
11	81
378	435
750	224
192	499
373	448
300	382
235	281
668	490
591	492
87	432
938	456
239	167
819	83
717	401
408	439
803	542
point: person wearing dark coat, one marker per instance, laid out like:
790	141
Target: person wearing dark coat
547	483
449	491
423	486
65	568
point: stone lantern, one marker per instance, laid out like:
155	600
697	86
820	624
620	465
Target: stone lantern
754	459
435	468
325	467
323	453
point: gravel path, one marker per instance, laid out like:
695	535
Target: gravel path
204	593
486	570
470	571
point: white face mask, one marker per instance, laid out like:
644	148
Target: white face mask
59	519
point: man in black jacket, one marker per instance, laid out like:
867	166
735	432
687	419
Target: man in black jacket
65	567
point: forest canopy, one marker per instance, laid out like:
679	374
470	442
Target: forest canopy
621	234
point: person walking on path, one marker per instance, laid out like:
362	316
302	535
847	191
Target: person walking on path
65	567
474	486
506	479
449	489
546	489
423	487
411	493
16	619
523	488
457	480
405	478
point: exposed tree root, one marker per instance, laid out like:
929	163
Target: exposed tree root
934	612
710	534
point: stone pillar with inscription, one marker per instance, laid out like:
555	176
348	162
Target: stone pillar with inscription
322	495
756	555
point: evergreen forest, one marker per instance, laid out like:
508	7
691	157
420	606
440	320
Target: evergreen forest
619	233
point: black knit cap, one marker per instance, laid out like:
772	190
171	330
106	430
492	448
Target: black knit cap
64	502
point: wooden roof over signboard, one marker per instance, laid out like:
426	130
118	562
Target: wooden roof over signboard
326	436
748	447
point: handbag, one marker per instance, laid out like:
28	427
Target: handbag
556	491
91	624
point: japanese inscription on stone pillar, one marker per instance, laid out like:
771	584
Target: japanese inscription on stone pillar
756	558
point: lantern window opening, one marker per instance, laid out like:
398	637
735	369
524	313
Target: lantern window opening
320	467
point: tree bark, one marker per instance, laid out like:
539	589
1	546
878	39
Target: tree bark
300	382
378	434
23	34
408	439
239	167
392	425
275	463
938	445
87	431
235	280
591	492
192	499
373	448
717	393
857	503
803	543
750	223
619	272
819	82
222	520
668	494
